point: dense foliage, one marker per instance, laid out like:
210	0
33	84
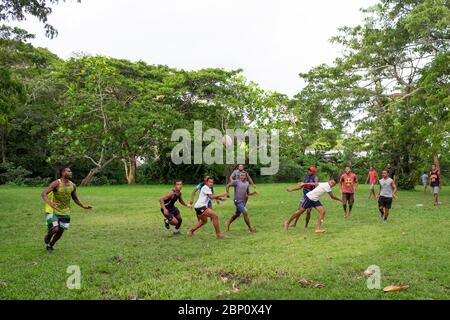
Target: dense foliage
386	100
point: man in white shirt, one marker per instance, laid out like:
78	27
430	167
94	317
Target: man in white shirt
311	200
204	212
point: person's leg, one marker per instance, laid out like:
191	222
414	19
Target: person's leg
178	225
215	220
56	236
386	214
308	217
173	221
344	201
247	222
229	222
50	233
321	211
436	196
381	209
200	223
293	225
351	201
295	215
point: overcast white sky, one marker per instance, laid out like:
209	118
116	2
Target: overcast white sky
272	40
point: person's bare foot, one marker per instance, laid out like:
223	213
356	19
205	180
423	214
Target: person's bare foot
190	233
320	231
286	226
228	224
252	229
220	236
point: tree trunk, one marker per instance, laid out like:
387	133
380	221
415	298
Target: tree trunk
3	144
88	179
130	169
436	161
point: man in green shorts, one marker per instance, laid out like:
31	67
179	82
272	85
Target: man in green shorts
57	206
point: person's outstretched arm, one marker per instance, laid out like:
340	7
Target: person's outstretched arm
184	203
332	196
298	187
77	200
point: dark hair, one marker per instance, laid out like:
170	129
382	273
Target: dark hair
176	181
209	178
335	178
61	170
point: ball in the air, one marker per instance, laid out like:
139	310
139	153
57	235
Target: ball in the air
227	141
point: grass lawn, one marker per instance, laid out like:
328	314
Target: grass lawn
124	252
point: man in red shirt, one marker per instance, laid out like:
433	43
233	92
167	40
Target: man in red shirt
372	177
349	183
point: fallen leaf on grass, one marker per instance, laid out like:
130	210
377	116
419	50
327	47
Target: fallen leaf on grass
3	284
393	288
310	284
235	288
224	279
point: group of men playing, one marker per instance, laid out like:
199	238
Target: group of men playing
312	190
58	195
239	179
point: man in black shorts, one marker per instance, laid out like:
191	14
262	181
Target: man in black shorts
171	213
388	191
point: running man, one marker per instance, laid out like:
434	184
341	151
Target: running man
435	183
349	184
198	188
237	173
57	206
241	193
309	183
312	201
172	215
372	177
424	178
388	191
203	212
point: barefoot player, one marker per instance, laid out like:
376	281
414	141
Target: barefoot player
349	183
388	191
372	177
202	210
312	201
172	215
241	193
309	183
57	198
198	188
435	183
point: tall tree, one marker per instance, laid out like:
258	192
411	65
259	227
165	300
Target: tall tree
19	9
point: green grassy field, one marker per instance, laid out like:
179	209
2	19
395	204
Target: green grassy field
124	252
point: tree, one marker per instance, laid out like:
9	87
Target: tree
18	10
378	79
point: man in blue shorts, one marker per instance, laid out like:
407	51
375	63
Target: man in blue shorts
309	183
312	201
241	194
